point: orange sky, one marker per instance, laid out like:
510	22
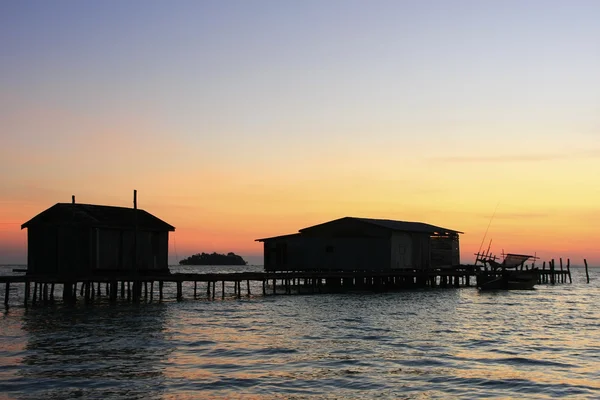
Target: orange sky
235	123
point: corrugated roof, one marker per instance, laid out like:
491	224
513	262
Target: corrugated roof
407	226
403	226
400	226
98	215
277	237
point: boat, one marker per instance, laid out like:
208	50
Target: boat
506	275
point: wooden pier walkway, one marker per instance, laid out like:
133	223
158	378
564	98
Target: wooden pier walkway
41	289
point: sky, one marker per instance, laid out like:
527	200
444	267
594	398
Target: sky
237	120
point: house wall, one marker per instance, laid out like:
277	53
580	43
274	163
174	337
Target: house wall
421	255
62	250
445	250
340	253
114	250
57	250
402	251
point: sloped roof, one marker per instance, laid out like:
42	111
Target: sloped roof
398	226
394	225
98	215
278	237
407	226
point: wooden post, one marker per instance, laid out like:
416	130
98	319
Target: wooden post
151	290
145	290
114	290
87	291
562	275
34	299
208	290
7	293
195	288
274	286
569	269
52	293
98	290
552	278
160	290
544	277
264	285
214	284
223	290
587	275
179	291
248	286
27	289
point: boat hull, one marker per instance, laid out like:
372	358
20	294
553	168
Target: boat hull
507	280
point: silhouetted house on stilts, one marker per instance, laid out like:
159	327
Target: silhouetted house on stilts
351	243
84	240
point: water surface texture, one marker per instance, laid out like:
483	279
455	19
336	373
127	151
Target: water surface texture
417	344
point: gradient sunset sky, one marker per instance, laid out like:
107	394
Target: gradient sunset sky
237	120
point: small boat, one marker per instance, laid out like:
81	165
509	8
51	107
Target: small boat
505	275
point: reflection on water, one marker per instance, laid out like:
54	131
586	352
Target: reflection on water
441	343
117	350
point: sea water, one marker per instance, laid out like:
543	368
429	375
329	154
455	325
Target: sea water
411	344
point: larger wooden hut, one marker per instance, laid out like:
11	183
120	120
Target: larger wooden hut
352	243
83	240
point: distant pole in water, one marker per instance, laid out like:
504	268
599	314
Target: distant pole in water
587	275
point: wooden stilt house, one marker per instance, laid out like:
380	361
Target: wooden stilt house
85	240
352	243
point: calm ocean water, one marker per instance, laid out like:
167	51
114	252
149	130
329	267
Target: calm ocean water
420	344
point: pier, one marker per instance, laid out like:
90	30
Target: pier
211	286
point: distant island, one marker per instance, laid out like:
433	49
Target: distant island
214	259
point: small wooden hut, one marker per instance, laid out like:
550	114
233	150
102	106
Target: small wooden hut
352	243
85	240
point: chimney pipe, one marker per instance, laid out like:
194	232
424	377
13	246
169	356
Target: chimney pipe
135	199
73	199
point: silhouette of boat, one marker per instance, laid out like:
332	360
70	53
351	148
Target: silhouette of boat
506	275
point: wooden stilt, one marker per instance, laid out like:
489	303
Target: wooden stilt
179	291
587	275
214	284
569	269
222	290
87	291
52	293
7	294
208	290
34	299
151	290
160	290
248	286
27	290
195	288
